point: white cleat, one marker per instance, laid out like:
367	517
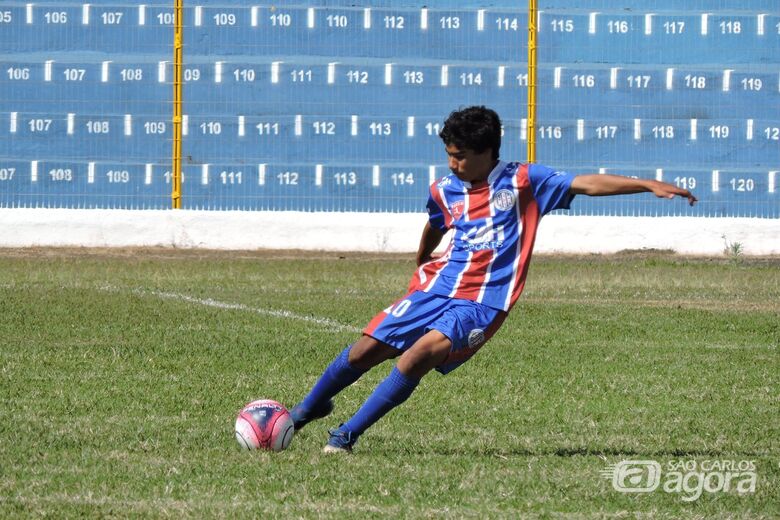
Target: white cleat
339	442
335	449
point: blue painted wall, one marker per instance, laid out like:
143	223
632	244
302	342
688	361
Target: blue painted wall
335	105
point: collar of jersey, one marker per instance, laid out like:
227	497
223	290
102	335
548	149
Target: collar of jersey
492	177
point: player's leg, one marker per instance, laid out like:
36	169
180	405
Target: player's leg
456	332
368	352
353	362
426	353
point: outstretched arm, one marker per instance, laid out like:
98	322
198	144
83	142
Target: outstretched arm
431	237
602	184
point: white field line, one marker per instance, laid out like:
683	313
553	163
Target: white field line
741	347
208	302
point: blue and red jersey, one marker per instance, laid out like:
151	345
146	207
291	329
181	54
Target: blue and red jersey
495	223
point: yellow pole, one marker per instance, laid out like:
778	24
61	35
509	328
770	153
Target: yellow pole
531	129
177	102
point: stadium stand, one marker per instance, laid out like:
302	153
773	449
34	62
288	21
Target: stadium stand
336	107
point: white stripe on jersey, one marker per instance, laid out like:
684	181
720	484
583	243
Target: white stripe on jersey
500	237
447	253
446	208
445	258
456	285
519	248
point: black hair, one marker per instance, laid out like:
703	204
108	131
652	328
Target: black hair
474	128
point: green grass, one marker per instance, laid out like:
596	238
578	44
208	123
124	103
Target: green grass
117	401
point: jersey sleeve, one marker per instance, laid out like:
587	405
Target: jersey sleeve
438	215
550	187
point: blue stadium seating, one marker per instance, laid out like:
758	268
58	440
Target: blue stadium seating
693	5
308	187
109	28
339	103
665	37
17	188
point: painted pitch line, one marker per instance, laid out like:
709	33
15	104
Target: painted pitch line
208	302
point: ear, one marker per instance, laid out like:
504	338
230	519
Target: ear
488	153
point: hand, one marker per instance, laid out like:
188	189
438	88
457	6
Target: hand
428	242
665	190
427	258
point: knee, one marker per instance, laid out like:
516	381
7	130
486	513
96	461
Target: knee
367	352
428	352
425	355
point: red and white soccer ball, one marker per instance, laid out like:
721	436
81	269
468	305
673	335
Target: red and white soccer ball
265	425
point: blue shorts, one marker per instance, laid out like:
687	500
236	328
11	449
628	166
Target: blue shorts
467	324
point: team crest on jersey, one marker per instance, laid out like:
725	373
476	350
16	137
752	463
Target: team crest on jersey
504	200
476	338
456	208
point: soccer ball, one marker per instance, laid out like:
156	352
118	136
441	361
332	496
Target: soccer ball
264	424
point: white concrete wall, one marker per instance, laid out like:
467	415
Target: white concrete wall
375	232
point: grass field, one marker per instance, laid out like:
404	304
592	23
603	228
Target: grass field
122	372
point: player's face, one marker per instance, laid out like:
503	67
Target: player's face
468	165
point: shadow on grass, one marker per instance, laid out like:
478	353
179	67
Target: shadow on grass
379	447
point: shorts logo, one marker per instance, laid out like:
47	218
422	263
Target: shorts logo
504	199
476	338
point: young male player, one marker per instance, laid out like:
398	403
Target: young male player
456	302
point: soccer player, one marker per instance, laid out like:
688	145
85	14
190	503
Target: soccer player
456	302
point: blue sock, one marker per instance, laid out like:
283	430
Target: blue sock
387	395
339	375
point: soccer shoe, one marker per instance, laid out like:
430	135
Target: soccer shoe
303	417
339	442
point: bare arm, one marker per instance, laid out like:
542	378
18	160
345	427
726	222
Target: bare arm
601	185
430	239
